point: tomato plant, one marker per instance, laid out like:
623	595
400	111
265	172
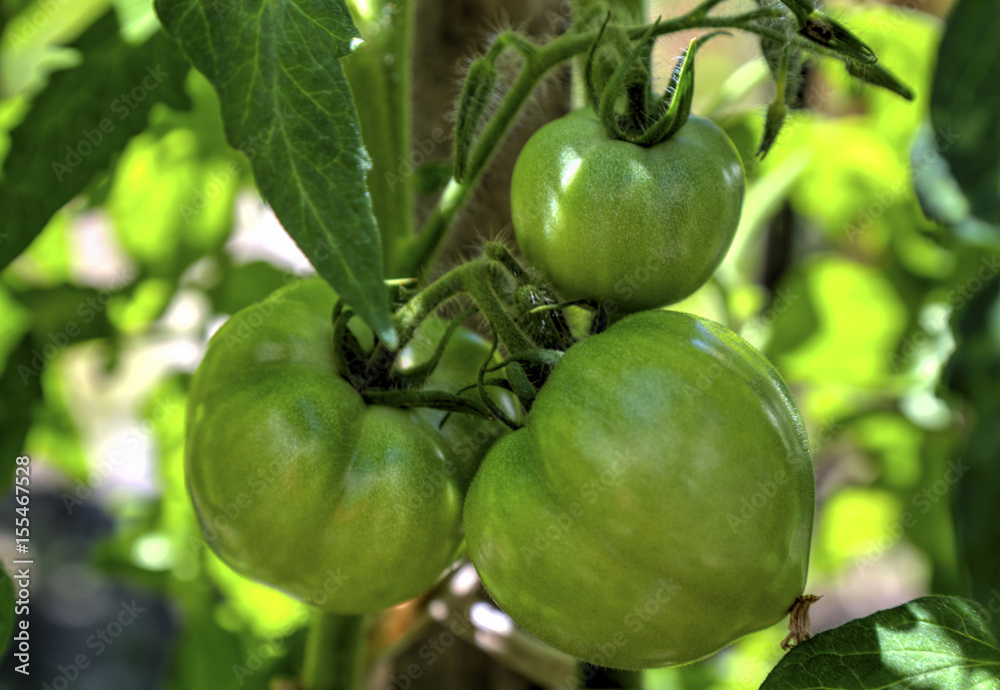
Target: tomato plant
608	220
618	487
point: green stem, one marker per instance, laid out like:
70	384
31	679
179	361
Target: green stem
333	652
538	60
473	278
379	75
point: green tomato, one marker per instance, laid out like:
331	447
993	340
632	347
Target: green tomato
301	485
657	505
636	227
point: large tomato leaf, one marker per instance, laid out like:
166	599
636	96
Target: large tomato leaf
972	372
79	124
965	101
932	643
286	103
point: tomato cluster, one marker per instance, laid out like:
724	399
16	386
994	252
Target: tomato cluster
612	523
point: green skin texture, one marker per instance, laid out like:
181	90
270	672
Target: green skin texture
299	484
613	525
638	227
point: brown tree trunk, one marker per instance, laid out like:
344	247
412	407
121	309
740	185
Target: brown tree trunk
447	35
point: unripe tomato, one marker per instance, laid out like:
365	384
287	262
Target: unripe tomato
639	227
298	483
657	505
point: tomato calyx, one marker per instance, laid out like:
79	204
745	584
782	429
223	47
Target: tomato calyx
377	376
798	621
615	70
526	317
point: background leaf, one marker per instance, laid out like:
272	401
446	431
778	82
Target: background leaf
77	126
965	101
286	103
932	642
972	372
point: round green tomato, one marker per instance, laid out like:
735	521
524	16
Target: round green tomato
657	505
637	227
298	483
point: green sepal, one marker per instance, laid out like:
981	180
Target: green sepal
610	49
778	108
825	31
675	106
775	118
415	377
622	78
346	347
521	385
878	76
476	94
546	357
495	409
438	400
801	9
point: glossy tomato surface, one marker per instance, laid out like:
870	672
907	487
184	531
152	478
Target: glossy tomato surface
298	483
637	227
658	504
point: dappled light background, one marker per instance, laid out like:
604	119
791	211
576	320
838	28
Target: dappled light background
835	274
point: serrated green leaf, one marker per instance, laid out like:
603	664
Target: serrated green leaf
77	126
283	93
931	643
965	101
